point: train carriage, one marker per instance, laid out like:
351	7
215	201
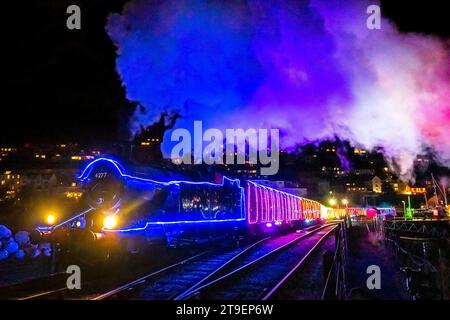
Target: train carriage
268	207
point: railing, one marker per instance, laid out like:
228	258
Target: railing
424	265
335	288
418	226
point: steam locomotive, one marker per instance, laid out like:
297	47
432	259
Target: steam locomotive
128	211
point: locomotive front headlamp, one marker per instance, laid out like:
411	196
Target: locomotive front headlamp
109	222
50	218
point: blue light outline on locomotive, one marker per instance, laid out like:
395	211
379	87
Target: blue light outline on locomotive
121	171
173	222
87	170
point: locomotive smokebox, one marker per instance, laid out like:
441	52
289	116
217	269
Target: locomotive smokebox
104	183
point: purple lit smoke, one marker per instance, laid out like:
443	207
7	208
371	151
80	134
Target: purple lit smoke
310	68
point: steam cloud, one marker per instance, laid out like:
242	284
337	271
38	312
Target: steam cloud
312	69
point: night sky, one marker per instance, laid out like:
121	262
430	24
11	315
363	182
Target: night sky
62	85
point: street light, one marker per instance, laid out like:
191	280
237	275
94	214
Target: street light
345	202
332	201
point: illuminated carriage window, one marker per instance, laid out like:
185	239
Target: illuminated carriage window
287	212
260	204
272	205
292	202
266	205
252	204
316	210
289	200
264	201
289	206
309	209
294	208
294	205
280	196
300	209
291	209
355	211
304	209
293	213
278	206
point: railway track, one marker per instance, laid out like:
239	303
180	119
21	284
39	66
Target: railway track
261	278
166	283
179	281
98	279
34	287
91	286
50	294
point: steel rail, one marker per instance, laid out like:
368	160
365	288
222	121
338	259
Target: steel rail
252	263
146	277
226	264
297	266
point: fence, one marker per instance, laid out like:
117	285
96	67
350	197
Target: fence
335	287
